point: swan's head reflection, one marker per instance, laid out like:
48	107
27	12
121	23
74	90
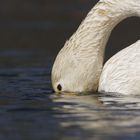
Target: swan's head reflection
74	72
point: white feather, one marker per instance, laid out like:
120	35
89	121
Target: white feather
121	72
79	63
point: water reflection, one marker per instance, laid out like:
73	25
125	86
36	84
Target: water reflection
99	116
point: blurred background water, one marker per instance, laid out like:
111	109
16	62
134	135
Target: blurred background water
31	34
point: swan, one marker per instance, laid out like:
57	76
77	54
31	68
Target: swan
78	66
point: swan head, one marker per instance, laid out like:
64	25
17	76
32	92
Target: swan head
75	70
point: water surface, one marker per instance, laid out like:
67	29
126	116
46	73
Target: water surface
30	111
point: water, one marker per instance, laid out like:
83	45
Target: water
30	111
30	36
99	117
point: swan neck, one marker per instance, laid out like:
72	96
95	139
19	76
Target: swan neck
94	31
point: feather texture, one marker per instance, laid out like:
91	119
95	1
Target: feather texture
79	64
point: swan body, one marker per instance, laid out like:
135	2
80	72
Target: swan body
121	72
79	64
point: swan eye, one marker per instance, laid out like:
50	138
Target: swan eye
59	87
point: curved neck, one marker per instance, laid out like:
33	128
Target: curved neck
94	31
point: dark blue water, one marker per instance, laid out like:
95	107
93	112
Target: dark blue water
30	111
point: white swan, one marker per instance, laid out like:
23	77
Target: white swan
78	65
